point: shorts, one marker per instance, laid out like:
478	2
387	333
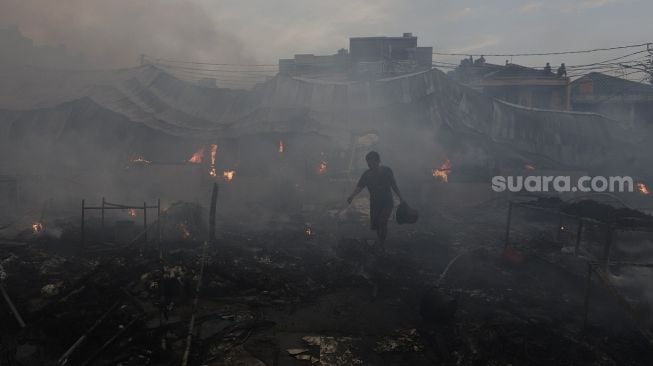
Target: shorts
379	216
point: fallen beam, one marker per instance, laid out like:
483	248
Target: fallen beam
63	360
12	307
111	340
191	325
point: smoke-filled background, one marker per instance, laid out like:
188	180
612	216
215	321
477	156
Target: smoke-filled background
179	105
115	33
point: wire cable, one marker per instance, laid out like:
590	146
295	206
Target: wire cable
206	63
545	53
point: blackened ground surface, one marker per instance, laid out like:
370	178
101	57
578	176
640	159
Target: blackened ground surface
277	296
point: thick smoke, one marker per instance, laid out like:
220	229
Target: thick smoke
114	33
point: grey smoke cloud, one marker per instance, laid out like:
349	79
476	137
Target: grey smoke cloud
115	33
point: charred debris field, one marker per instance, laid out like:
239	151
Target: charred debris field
159	214
445	291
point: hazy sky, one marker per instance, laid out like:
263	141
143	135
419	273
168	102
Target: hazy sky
114	32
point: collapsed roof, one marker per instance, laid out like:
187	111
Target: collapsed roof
149	97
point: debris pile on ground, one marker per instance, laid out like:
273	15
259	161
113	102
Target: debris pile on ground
277	297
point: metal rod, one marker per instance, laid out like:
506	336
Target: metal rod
579	237
560	229
110	341
586	302
83	236
191	325
13	309
102	228
214	201
158	222
145	222
508	224
547	209
606	249
64	358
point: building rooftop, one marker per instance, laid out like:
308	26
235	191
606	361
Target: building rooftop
596	83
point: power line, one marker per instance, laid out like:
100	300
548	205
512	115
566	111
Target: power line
544	53
612	59
206	63
218	75
615	65
248	72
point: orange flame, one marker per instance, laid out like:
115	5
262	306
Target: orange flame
642	188
185	233
442	173
281	146
228	175
197	157
214	154
131	212
37	228
322	167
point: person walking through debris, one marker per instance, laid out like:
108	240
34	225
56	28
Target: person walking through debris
380	182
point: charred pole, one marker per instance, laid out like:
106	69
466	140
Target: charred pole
214	202
10	303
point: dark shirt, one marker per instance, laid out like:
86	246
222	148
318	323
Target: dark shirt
379	183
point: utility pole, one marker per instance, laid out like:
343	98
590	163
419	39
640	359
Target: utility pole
649	67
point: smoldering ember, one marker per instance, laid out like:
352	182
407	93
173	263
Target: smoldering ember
190	212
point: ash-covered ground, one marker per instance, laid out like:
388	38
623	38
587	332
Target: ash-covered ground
310	288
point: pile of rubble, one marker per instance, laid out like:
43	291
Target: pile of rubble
280	297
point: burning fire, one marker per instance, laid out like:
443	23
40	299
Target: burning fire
442	172
322	167
37	228
308	230
131	212
228	175
281	146
642	188
185	233
136	158
214	154
197	157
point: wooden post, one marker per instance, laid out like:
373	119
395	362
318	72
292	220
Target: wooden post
158	220
144	222
579	236
586	303
214	201
83	236
605	260
12	307
558	235
508	220
102	227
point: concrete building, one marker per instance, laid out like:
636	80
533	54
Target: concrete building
516	84
623	100
367	57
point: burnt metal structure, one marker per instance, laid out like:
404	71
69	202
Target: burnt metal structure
105	205
598	267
